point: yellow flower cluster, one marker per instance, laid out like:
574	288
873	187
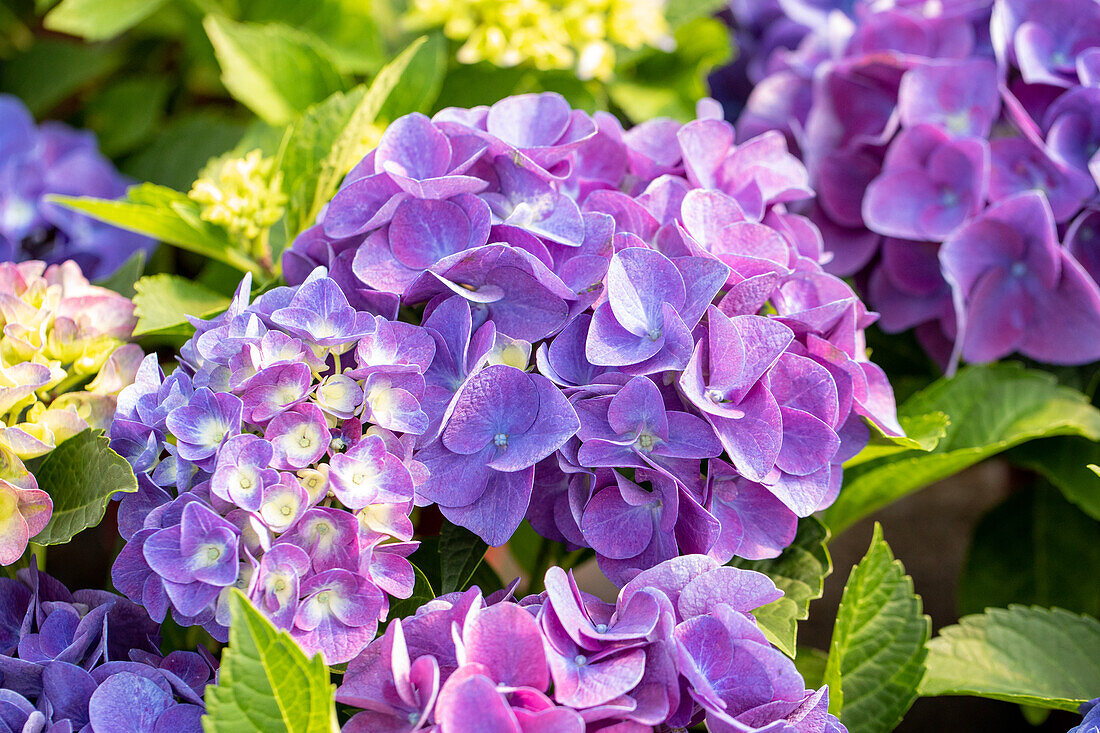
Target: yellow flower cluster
549	34
244	195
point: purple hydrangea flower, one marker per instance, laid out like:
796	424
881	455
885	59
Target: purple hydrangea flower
914	123
679	646
53	159
90	660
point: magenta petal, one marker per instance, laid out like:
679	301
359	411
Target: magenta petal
469	697
615	528
741	590
506	639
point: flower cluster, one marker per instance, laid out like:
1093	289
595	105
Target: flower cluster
257	468
548	34
89	660
36	162
243	195
679	646
952	147
632	340
64	357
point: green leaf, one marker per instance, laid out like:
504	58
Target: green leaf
1033	656
877	654
274	70
678	12
660	84
126	114
167	215
1035	548
163	302
800	572
991	408
266	682
460	553
123	279
97	20
1067	463
53	69
345	28
811	664
922	433
163	160
81	475
420	80
422	593
330	138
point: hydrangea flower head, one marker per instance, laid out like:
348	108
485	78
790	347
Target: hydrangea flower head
39	161
678	647
548	34
244	195
90	660
621	336
64	357
922	125
256	469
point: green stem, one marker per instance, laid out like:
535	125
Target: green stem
38	552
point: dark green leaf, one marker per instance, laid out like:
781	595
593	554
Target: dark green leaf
800	573
876	658
1033	656
51	70
1066	463
81	475
991	408
126	114
97	20
460	552
274	70
266	682
175	155
420	79
163	302
422	593
1036	549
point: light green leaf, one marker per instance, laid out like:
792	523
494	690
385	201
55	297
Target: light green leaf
346	29
1068	464
922	433
876	658
80	475
330	138
1035	548
991	408
420	79
811	664
166	215
460	553
274	70
1033	656
266	682
163	302
800	572
97	20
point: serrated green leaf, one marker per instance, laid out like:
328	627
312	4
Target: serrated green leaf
97	20
1037	549
922	433
266	682
800	572
1033	656
422	593
991	408
274	70
80	475
876	658
460	553
1068	463
166	215
163	302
